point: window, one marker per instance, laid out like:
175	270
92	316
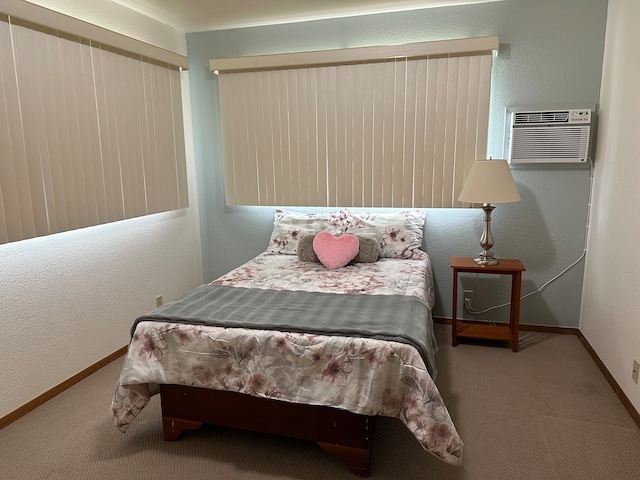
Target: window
393	126
89	134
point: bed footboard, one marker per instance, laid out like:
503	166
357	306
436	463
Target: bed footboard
344	434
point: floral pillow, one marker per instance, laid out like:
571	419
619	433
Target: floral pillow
290	227
400	233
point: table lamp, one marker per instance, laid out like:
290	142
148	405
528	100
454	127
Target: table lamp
489	181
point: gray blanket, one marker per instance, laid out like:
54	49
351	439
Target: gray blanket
398	318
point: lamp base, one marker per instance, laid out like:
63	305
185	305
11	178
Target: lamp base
486	258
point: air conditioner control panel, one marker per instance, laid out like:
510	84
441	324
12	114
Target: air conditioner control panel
580	116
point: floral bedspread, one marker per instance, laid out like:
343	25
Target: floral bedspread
366	376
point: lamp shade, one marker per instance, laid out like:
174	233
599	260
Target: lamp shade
489	181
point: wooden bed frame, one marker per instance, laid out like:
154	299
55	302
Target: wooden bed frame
342	433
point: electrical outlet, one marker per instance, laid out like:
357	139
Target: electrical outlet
634	373
466	299
159	301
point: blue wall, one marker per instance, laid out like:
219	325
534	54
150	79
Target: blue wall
551	55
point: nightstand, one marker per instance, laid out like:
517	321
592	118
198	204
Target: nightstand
466	329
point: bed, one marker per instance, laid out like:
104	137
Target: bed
288	346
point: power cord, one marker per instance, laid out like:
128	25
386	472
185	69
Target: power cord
467	302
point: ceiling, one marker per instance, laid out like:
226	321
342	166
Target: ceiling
202	15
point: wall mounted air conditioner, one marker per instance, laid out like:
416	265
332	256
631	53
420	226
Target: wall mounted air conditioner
549	136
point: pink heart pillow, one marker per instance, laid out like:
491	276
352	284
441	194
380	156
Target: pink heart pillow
335	252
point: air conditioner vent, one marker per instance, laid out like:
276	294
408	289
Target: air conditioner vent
541	117
560	143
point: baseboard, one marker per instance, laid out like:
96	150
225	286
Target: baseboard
612	382
594	356
49	394
525	327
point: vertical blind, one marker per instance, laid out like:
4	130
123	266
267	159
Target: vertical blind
88	134
399	132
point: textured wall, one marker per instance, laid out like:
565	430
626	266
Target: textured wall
610	320
551	54
68	300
